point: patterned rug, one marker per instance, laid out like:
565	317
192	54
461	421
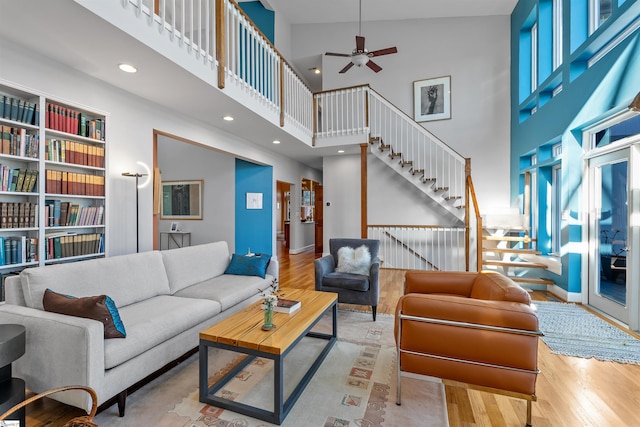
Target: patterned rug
355	386
571	330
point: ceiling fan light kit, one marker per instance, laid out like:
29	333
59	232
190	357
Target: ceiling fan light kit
361	56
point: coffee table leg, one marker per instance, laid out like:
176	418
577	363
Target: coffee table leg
278	398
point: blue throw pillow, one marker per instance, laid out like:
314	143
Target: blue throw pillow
243	265
101	308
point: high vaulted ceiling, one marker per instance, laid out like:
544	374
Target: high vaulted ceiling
324	11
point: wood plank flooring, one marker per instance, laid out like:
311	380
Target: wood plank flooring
571	391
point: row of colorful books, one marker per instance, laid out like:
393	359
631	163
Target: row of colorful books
19	110
68	120
18	215
18	250
17	142
66	214
63	245
79	153
19	180
80	184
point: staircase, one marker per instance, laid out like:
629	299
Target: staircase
507	248
425	181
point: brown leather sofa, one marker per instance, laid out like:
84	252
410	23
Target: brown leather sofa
473	328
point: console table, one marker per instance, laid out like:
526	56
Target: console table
12	347
180	239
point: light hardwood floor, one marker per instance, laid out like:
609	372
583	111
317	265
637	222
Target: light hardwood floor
571	391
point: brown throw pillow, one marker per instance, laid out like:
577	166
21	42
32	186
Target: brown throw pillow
100	308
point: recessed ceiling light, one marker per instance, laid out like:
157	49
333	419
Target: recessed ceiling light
128	68
276	142
340	151
228	118
317	71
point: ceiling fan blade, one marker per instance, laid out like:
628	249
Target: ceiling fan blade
386	51
346	55
347	67
375	67
360	43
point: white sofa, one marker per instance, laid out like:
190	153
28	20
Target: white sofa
164	298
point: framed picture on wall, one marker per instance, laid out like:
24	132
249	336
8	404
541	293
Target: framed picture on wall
432	99
181	200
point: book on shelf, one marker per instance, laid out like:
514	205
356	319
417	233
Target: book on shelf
284	305
17	109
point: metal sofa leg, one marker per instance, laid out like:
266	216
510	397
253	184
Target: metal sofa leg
374	309
529	403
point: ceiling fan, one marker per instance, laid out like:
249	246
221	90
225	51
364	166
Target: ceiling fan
361	56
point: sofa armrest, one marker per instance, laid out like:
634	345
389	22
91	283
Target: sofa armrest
273	268
60	350
322	267
439	282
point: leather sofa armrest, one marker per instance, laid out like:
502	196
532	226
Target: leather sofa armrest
439	282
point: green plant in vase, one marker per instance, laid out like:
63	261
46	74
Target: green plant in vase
269	302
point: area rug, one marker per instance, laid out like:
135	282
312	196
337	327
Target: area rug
355	386
570	330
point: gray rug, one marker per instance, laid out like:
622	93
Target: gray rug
570	330
355	386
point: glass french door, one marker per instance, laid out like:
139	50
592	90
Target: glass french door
609	234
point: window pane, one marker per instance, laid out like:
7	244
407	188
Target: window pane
617	132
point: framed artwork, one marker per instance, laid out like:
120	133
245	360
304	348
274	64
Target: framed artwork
181	200
254	200
174	227
432	99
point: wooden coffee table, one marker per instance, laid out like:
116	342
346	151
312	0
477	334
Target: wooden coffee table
242	333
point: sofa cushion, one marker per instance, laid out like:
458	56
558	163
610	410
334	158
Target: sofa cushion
243	265
354	282
194	264
227	289
100	308
126	279
154	321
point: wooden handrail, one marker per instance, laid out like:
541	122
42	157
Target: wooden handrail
476	208
341	89
221	52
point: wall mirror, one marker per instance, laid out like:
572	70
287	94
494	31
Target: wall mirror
181	200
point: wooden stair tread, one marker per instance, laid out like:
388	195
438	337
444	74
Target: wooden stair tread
533	280
525	239
514	264
512	251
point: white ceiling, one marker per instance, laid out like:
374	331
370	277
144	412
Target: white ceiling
325	11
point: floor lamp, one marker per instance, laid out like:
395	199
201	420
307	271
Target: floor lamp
137	177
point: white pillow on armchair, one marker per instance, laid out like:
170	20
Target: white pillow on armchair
354	261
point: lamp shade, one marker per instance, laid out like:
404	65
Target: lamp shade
360	59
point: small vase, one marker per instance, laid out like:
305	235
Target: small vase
268	317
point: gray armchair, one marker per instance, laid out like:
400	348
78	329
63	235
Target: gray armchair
351	288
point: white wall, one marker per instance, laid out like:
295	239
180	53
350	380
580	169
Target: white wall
473	51
341	188
131	121
180	161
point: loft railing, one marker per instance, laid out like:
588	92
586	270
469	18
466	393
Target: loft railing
220	34
342	112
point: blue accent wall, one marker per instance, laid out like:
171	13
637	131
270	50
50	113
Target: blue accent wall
588	94
263	18
254	227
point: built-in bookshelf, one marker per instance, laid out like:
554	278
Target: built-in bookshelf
52	179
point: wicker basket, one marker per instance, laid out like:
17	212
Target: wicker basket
83	421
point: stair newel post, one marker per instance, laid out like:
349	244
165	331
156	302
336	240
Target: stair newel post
221	52
363	190
467	211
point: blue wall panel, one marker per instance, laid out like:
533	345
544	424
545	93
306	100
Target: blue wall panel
254	227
